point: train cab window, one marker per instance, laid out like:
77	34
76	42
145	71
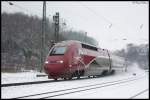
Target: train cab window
58	51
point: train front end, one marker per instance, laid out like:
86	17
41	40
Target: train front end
55	64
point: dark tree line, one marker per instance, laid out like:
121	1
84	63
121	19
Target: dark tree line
136	54
21	40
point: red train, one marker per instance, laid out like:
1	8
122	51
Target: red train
71	58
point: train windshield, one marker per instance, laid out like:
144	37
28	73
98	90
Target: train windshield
58	51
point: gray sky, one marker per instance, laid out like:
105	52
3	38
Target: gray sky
110	23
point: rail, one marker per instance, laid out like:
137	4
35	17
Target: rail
77	89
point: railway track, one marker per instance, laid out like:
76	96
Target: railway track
51	94
38	82
25	83
138	94
47	81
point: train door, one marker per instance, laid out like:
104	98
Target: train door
77	57
78	62
81	60
74	60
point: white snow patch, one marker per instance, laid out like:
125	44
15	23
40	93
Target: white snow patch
21	77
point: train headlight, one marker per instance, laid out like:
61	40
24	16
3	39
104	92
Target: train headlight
46	62
60	61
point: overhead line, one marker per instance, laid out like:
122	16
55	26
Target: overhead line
96	13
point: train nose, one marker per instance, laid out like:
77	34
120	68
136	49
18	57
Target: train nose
54	67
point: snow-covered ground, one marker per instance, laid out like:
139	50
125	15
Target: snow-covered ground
125	90
22	77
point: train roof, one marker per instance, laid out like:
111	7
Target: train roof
64	43
68	42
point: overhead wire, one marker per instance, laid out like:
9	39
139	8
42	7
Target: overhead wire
89	9
111	25
98	15
110	22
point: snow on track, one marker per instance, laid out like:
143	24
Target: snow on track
80	89
126	90
21	77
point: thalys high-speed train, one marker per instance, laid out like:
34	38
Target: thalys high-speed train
71	58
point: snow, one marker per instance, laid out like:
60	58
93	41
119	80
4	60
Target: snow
143	95
22	77
125	90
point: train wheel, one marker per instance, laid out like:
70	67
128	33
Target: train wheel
105	72
65	78
78	77
70	78
49	77
55	79
113	71
77	74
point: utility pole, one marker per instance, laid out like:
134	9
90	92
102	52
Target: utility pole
43	35
56	22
